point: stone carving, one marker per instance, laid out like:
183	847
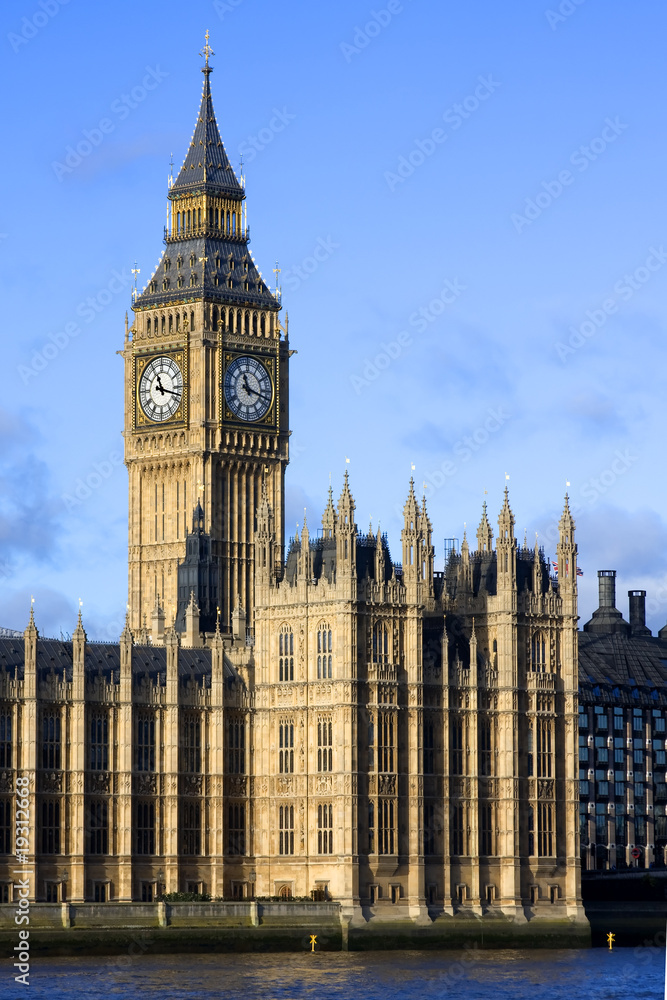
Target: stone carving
387	784
145	784
99	782
237	784
192	784
283	785
545	788
7	783
52	781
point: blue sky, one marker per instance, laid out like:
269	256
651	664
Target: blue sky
484	186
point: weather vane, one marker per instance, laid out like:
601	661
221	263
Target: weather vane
206	52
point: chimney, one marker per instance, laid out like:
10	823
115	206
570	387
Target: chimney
607	620
637	600
607	587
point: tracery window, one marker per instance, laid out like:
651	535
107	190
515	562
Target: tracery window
6	826
191	743
145	742
324	651
386	832
286	654
545	829
325	828
485	747
51	826
98	748
456	746
324	744
286	746
286	830
236	745
191	827
380	643
386	736
236	829
51	748
486	846
544	767
429	744
6	738
457	830
98	827
144	827
538	653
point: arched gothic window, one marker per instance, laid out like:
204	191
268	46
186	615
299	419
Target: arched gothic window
380	643
286	654
538	653
286	746
324	651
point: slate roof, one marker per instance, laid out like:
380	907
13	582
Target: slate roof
258	294
104	657
206	162
622	669
207	168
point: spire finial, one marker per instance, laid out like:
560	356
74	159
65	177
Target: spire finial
206	52
135	271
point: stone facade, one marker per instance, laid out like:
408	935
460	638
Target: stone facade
344	726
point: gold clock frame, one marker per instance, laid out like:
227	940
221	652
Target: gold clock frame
141	359
270	360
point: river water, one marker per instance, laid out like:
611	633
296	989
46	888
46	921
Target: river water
635	973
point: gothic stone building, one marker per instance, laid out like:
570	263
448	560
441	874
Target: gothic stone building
327	722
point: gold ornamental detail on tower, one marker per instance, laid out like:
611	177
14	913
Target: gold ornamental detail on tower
160	388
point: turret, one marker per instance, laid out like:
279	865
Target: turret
567	555
329	518
346	533
506	547
484	533
264	540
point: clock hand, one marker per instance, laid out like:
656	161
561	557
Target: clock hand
159	384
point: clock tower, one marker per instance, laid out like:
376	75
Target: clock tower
206	390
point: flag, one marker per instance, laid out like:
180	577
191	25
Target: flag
580	572
554	567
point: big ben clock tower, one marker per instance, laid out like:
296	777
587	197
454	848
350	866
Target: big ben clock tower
206	389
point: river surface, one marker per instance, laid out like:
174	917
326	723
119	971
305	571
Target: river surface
635	973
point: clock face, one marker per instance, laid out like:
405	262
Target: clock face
161	388
248	388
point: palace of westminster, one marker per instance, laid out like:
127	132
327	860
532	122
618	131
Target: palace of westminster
321	721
